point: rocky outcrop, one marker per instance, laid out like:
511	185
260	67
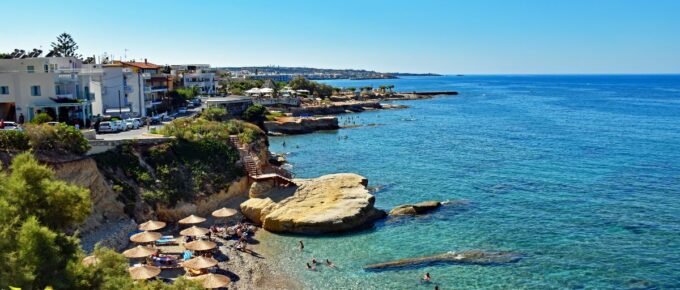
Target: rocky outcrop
331	203
335	108
415	209
256	209
260	188
473	257
290	125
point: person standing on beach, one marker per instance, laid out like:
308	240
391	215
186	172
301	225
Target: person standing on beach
302	246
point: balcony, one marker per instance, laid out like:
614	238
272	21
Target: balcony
64	96
156	89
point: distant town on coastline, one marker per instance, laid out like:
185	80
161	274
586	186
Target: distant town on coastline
75	89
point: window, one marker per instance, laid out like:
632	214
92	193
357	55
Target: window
35	91
4	90
30	69
47	68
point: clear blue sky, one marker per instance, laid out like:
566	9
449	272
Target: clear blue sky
480	36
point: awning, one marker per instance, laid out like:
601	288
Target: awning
117	110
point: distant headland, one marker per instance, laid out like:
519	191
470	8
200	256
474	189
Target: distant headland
316	73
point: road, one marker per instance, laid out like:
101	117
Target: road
139	133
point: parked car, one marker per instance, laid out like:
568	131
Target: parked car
130	124
138	122
120	125
182	110
107	127
155	120
196	101
11	126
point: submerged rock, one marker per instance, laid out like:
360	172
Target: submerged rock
415	209
330	203
473	257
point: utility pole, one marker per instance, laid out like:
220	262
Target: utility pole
120	109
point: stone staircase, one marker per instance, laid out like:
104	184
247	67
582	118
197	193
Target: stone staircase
252	165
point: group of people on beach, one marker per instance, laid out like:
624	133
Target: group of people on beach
314	262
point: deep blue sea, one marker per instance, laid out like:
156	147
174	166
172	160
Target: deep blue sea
580	174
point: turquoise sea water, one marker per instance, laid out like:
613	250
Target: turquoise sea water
580	174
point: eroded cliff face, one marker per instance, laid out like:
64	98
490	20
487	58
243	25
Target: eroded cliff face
105	205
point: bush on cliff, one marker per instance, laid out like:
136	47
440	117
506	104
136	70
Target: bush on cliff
59	138
13	140
255	114
202	129
215	114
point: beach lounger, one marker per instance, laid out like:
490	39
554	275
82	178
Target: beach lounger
167	240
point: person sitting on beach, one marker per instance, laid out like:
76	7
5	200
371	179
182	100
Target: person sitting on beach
329	263
426	278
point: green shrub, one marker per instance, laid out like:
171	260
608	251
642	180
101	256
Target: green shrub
255	114
59	138
13	140
41	118
215	114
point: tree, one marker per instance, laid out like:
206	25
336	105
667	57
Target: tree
34	209
255	114
31	190
65	46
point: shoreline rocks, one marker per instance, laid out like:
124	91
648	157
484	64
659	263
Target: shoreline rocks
330	203
295	125
470	257
415	209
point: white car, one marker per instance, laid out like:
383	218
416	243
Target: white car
131	124
11	126
107	127
120	125
138	121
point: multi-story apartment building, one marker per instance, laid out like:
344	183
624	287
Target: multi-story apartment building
200	76
154	85
118	91
58	86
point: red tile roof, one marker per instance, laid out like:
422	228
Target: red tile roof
142	65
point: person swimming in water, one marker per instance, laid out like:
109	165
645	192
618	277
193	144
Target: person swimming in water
302	246
329	263
426	278
310	267
314	261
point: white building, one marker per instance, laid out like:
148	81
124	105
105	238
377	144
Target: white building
58	86
118	91
205	82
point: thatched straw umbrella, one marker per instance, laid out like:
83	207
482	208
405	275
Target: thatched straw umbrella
224	212
139	252
192	219
144	272
145	237
200	246
90	261
194	231
212	281
151	226
199	263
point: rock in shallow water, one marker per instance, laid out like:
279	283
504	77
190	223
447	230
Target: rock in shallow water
415	209
473	257
330	203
